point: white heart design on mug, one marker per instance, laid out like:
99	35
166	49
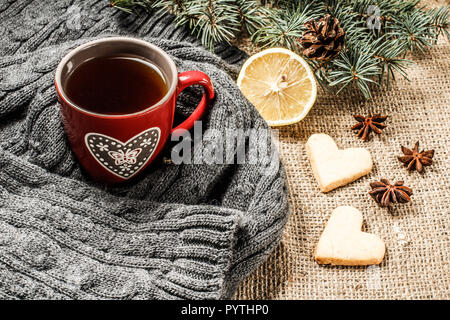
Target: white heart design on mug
123	159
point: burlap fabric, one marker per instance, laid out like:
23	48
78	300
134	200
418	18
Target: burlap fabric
416	234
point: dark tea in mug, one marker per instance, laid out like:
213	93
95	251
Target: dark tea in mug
116	85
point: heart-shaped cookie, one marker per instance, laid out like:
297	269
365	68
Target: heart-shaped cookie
123	159
343	243
332	167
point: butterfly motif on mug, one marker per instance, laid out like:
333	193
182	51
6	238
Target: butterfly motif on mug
128	157
123	159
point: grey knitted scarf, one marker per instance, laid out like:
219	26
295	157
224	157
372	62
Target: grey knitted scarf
179	231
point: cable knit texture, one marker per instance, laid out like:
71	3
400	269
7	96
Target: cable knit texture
179	231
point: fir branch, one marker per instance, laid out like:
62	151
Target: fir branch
373	54
284	28
355	27
412	31
252	15
129	6
357	67
387	8
389	53
439	20
217	21
177	7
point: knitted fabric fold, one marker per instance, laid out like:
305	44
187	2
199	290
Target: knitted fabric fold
188	231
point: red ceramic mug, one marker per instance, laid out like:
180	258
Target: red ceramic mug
115	148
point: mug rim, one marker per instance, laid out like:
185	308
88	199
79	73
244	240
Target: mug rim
151	46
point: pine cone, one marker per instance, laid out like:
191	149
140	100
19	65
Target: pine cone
324	39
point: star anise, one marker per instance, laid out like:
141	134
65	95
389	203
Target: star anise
385	193
415	159
369	124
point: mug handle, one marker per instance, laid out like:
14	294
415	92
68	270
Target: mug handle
189	78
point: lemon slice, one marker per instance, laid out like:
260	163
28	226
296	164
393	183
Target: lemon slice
280	84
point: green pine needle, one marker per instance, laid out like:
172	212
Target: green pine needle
284	29
129	6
